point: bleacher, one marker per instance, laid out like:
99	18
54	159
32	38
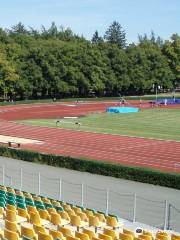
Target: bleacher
27	216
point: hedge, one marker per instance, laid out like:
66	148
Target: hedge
139	174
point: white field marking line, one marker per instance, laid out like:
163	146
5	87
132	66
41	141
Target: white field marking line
70	117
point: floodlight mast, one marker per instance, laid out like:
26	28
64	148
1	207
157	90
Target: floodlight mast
156	92
155	87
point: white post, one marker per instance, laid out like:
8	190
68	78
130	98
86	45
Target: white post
166	215
82	194
3	175
20	179
107	202
60	189
39	183
156	92
134	210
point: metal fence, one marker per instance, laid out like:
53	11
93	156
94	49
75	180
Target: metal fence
132	207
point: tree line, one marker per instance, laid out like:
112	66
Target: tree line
56	63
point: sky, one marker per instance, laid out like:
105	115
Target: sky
86	16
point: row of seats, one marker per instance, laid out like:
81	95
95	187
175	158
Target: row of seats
27	216
39	210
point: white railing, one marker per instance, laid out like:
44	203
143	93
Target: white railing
132	207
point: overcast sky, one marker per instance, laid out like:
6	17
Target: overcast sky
86	16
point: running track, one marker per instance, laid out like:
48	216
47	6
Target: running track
158	154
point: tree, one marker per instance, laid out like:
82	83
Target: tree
8	77
152	39
96	39
171	49
148	66
18	29
116	35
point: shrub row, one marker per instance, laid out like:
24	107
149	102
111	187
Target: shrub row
171	180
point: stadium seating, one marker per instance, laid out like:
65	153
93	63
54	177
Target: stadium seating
25	216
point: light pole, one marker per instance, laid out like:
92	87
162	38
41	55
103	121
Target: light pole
156	92
174	91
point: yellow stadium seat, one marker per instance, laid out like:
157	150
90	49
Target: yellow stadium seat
76	221
38	229
66	206
66	231
72	238
35	219
56	204
3	188
124	236
64	215
23	213
9	235
104	236
57	220
12	226
46	200
101	217
94	222
19	193
96	238
2	212
51	210
111	232
175	237
32	209
90	233
10	216
28	195
127	231
13	217
70	212
82	236
77	209
145	237
44	214
56	234
44	236
83	216
11	190
11	207
161	235
88	212
147	233
37	198
28	232
112	222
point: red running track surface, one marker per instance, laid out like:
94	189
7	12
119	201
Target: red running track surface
157	154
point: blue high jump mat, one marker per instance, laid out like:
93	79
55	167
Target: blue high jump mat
122	109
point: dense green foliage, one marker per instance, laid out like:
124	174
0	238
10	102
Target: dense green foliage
150	123
57	63
96	167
